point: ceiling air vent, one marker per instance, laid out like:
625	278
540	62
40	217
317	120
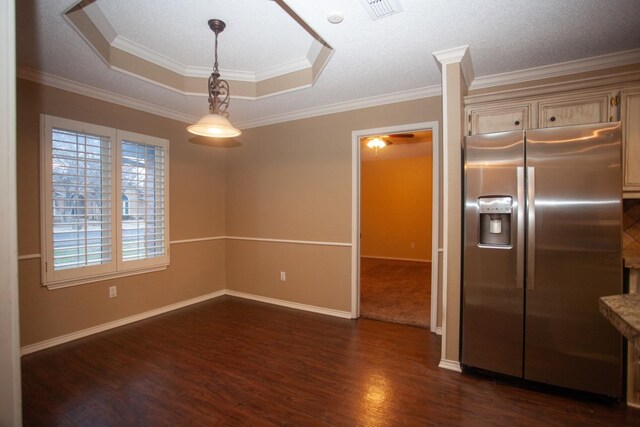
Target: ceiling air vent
380	8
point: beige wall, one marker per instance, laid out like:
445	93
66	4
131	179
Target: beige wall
396	208
315	275
292	181
287	181
197	210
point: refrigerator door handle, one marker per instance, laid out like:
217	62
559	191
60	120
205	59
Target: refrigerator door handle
520	228
531	226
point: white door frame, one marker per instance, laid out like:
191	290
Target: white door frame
10	391
355	210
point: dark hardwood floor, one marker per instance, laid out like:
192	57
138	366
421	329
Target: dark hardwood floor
232	362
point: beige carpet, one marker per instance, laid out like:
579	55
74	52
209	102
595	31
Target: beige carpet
395	291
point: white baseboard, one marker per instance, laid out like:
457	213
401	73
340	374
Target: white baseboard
289	304
32	348
452	365
396	259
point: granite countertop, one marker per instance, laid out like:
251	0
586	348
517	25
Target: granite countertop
623	311
631	258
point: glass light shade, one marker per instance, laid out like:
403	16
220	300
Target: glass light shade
376	143
214	125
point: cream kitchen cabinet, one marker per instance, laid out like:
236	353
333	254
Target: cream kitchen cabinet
499	118
570	108
630	117
574	110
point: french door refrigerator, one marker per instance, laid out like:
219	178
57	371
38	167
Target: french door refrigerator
542	244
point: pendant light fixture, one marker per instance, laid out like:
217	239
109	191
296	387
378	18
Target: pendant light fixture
215	124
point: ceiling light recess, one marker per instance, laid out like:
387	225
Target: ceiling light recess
380	8
216	124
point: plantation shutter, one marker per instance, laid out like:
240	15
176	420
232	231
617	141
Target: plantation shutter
81	194
77	186
143	173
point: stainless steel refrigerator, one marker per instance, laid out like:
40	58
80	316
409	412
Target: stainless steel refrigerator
542	244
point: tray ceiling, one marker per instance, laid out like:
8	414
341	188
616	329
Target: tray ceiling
288	57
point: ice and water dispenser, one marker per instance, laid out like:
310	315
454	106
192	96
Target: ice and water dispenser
495	221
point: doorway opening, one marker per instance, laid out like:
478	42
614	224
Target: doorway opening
395	224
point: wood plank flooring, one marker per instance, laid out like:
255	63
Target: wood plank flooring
232	362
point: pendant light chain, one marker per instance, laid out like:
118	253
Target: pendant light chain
216	124
215	63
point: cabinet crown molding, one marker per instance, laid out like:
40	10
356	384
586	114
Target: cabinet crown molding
582	65
612	81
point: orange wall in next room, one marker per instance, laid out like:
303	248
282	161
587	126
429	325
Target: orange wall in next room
396	206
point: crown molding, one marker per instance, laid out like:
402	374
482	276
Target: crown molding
454	55
101	94
204	72
594	63
598	83
565	68
374	101
135	49
156	58
449	56
291	66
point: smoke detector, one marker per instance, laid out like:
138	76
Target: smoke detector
335	16
380	8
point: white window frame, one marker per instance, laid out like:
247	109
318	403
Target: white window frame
116	267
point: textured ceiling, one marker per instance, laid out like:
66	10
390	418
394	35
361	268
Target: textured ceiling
371	57
259	29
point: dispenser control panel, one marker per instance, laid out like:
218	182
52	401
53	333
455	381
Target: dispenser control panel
494	205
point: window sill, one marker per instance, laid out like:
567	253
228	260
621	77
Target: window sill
84	280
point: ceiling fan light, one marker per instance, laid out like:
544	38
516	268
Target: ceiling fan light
376	143
214	125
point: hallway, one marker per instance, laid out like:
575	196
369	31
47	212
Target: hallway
395	291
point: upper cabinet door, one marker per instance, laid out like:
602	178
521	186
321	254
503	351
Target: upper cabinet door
574	110
630	116
498	119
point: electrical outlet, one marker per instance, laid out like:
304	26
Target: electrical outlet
113	291
413	245
283	276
